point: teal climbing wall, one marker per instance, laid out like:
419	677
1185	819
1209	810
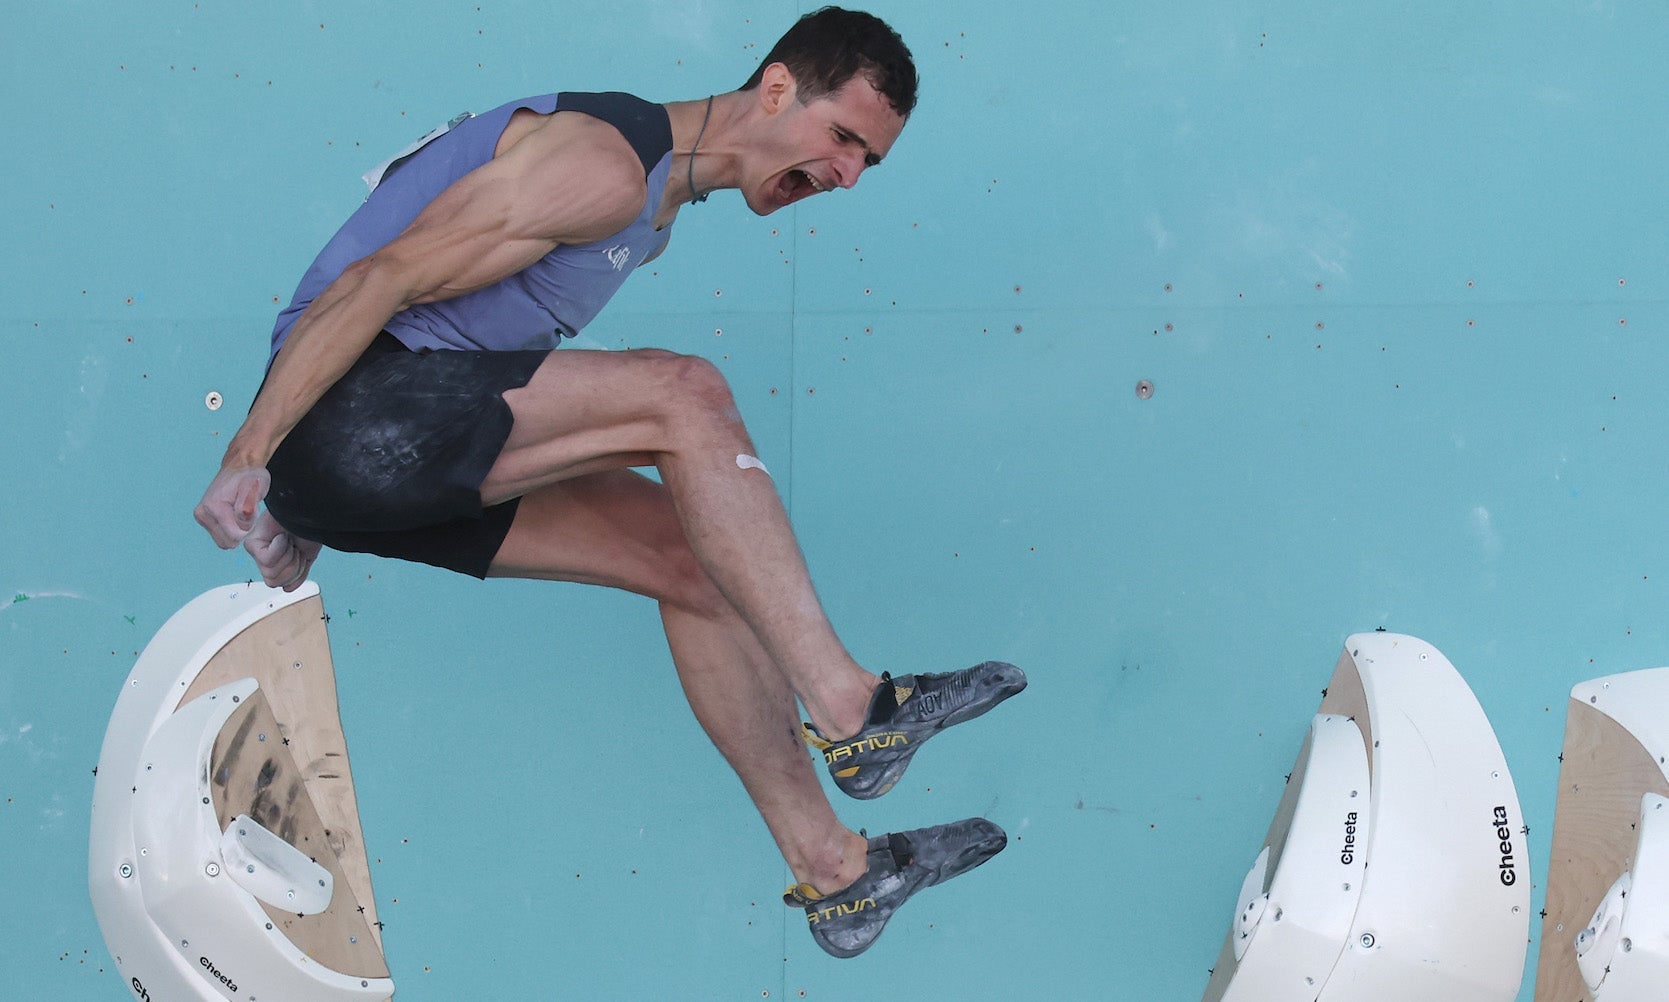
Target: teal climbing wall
1394	274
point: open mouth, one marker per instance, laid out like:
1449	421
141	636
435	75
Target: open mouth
797	184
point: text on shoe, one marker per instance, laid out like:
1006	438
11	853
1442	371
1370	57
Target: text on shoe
837	910
875	742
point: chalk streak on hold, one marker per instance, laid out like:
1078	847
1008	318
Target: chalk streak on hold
747	462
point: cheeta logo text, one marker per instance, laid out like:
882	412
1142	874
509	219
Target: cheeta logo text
139	990
875	742
1347	855
837	910
223	979
1504	832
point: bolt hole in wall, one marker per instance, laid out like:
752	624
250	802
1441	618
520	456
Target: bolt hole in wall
1472	456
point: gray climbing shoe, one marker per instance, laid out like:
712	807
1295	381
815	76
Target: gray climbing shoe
846	922
904	712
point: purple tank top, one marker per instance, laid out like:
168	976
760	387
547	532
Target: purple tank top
535	308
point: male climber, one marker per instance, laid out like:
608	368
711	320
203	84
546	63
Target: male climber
414	407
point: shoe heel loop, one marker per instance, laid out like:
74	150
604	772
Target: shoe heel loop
801	896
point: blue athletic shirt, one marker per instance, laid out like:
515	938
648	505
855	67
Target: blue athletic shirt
535	308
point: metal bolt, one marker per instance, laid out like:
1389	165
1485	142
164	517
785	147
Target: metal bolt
213	869
1367	941
126	870
213	400
1144	390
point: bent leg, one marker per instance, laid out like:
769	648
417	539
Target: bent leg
583	412
620	530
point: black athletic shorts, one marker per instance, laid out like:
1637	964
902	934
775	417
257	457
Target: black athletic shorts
391	459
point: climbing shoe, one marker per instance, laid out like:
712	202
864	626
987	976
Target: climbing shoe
904	712
846	922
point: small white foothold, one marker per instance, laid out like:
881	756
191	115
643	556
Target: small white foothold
747	462
213	400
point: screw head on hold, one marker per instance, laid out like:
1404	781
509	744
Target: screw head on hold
1367	941
213	869
213	400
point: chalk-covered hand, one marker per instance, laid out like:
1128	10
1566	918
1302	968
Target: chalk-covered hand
229	505
284	558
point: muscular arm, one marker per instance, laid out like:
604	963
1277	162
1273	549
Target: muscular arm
570	180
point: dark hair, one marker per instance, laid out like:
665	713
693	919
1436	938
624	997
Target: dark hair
828	47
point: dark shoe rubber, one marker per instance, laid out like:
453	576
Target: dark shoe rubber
903	713
846	922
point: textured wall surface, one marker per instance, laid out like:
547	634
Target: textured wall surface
1396	279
